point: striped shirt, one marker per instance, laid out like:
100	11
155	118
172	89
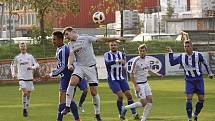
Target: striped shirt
192	64
62	55
114	70
140	68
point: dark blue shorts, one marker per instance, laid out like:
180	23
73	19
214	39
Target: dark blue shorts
118	85
64	82
82	84
194	86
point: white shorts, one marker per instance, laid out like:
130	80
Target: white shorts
88	73
28	85
145	90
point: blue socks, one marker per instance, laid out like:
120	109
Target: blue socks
82	99
199	106
189	108
74	110
60	108
133	110
119	105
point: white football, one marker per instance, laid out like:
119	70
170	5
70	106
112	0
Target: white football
98	17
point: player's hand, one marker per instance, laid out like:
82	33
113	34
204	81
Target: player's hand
14	77
121	61
161	75
30	68
169	49
70	67
137	88
211	76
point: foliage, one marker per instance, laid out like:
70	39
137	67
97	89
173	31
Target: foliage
108	6
43	7
48	50
170	9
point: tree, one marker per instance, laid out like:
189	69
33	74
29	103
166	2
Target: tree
43	7
113	5
170	9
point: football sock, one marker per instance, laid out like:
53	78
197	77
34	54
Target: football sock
133	110
74	110
147	109
189	108
119	105
96	102
28	101
134	105
69	95
60	108
199	106
82	99
25	102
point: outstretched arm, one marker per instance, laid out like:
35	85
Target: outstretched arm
110	39
173	61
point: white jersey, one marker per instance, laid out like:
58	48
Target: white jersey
21	63
140	68
83	50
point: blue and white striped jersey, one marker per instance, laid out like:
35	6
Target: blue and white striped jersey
192	64
115	70
62	55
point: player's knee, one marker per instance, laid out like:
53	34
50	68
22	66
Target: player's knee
93	92
25	93
143	102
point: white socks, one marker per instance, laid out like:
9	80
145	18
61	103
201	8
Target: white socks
96	103
25	102
69	95
147	109
134	105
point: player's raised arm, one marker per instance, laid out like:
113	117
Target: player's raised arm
110	39
173	61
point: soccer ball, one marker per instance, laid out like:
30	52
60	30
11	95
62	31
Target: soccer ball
98	17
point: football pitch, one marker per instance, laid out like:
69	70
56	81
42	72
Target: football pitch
168	102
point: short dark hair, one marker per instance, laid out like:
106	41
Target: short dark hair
187	42
142	46
58	34
68	29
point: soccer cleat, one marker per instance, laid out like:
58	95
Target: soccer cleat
25	113
98	117
195	118
123	112
78	120
65	111
143	119
81	109
136	116
189	119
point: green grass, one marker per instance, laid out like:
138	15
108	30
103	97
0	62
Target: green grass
168	97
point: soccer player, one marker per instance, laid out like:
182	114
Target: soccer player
85	68
82	85
140	69
115	64
62	55
22	69
191	61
